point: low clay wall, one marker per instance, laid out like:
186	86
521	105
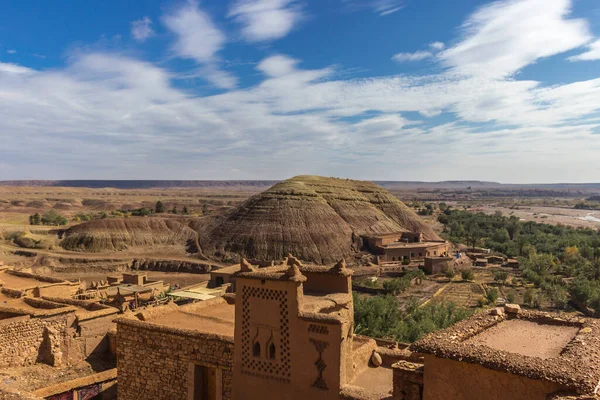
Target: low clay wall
154	361
454	380
171	266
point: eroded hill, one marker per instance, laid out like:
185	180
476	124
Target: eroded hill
122	234
315	218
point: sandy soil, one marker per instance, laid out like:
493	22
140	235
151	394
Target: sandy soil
526	338
548	215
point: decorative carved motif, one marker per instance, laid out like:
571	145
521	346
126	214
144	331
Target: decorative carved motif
279	367
320	329
320	346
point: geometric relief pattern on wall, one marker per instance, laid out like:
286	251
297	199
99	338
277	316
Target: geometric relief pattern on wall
320	346
280	367
320	329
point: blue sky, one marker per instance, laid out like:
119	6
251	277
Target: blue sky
267	89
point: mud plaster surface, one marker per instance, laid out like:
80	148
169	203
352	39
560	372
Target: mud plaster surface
218	319
526	338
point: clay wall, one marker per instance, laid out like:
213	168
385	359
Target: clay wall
437	265
399	253
326	283
57	290
156	362
309	350
454	380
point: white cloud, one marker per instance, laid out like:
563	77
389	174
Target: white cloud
9	68
264	20
11	51
111	115
416	56
503	37
198	38
142	29
386	7
593	53
437	46
278	65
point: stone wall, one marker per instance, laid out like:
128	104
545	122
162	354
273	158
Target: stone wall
154	361
24	341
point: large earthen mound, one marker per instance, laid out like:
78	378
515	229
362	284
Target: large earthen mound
315	218
122	234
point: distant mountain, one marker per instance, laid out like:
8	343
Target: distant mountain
156	184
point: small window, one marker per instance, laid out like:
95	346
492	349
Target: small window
412	254
272	351
435	252
393	258
256	349
420	254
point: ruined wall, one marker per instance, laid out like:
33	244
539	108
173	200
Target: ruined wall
454	380
154	361
24	341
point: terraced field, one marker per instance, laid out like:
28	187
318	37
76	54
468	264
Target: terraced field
464	294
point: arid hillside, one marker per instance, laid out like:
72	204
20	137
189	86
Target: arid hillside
315	218
122	234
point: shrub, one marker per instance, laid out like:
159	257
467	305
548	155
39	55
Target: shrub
467	275
500	276
528	297
510	297
397	285
405	262
492	295
482	302
449	273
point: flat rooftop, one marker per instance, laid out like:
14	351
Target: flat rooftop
544	346
527	338
19	282
218	318
417	245
324	303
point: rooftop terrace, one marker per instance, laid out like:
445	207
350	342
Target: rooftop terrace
536	345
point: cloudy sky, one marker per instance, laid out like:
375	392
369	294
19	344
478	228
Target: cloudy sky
266	89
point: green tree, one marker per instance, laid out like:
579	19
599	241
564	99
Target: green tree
53	218
185	210
159	208
35	219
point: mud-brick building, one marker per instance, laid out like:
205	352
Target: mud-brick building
505	356
401	246
286	333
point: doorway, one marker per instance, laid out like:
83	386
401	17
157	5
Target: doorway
205	383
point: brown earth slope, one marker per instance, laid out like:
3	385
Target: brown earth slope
121	234
315	218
